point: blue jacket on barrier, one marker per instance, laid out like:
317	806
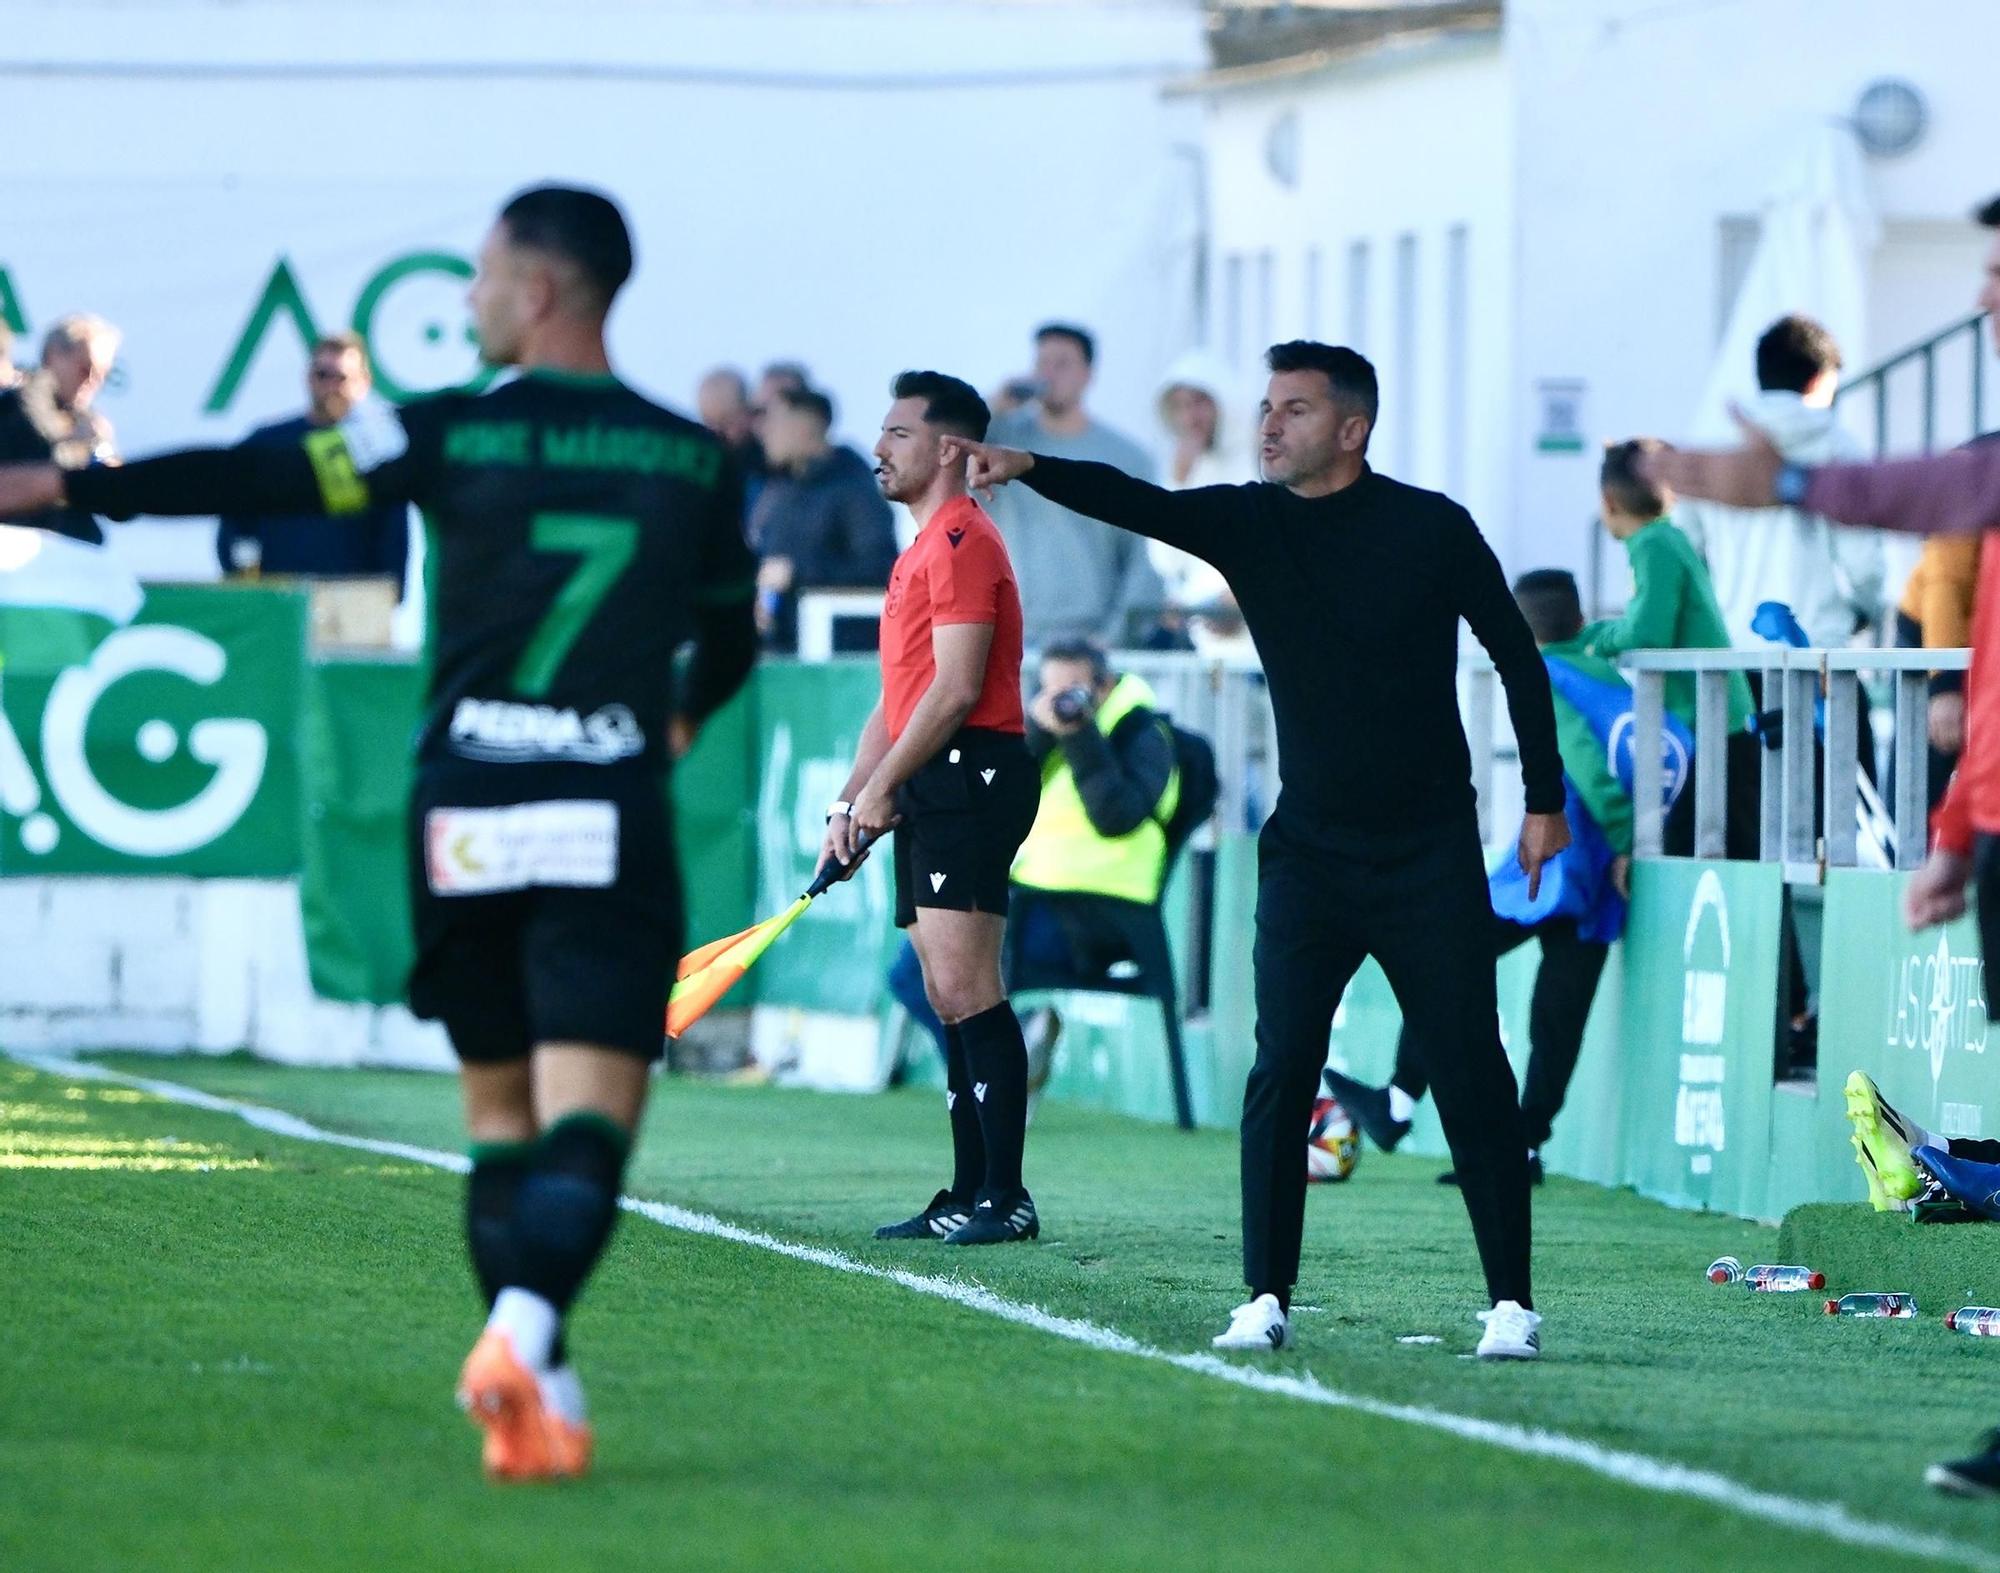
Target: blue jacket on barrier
1595	727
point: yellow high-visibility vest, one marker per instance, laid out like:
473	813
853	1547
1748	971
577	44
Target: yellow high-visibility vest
1064	851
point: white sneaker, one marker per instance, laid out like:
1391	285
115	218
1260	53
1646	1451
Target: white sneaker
1511	1333
1259	1325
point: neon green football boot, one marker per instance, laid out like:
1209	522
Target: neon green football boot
1881	1146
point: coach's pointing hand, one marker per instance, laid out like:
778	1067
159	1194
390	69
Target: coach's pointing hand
1542	837
986	466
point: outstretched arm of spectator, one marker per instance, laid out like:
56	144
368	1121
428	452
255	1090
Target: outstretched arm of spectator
1953	493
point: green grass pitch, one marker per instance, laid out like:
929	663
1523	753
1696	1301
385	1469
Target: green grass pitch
227	1350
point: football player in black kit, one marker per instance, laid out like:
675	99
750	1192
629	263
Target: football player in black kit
577	535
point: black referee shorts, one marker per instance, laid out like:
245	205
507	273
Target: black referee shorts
965	815
546	902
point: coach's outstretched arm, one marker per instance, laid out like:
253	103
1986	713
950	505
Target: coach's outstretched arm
1490	610
1190	520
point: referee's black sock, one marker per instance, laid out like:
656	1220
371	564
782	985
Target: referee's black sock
567	1206
996	1055
968	1146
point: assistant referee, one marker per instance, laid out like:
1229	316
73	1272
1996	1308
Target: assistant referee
943	762
1353	586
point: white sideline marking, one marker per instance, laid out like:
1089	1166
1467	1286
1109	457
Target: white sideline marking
1830	1519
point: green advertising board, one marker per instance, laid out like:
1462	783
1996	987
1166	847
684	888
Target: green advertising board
809	721
1910	1009
1700	1017
168	745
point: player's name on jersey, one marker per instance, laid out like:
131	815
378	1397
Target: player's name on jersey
637	450
499	731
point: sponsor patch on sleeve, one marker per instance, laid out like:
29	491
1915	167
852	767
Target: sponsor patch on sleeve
488	851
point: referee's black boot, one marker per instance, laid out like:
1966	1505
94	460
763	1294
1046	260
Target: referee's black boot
998	1219
936	1222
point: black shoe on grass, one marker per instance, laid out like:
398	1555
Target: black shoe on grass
997	1220
1368	1107
1976	1476
945	1213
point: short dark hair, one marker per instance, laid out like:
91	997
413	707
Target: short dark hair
1793	351
584	228
1551	603
1624	487
949	402
1084	650
1080	337
809	401
1348	372
1987	213
789	374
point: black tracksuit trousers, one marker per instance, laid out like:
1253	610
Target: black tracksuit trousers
1416	902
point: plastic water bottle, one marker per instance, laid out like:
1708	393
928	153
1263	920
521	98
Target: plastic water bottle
1767	1279
1897	1305
1981	1321
1725	1270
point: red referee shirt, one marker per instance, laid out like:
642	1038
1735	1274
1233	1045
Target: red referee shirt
956	571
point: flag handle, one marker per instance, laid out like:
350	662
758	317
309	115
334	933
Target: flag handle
824	880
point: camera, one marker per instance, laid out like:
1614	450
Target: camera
1071	704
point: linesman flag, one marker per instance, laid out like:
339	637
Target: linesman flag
708	973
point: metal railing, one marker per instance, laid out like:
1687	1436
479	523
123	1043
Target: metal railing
1811	817
1936	355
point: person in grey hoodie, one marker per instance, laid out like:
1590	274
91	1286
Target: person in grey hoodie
1079	579
1830	575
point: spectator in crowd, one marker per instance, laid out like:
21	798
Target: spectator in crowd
781	376
1580	909
1673	607
722	400
10	374
1079	579
1109	788
1208	448
51	414
369	545
1829	575
820	522
1936	614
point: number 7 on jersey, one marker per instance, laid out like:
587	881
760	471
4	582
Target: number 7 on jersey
607	547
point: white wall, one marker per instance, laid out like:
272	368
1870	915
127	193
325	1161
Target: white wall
1405	143
214	966
866	187
1641	127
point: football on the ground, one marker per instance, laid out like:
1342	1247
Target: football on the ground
1333	1146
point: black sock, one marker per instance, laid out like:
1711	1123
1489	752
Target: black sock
968	1146
490	1192
1284	1298
567	1206
996	1056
